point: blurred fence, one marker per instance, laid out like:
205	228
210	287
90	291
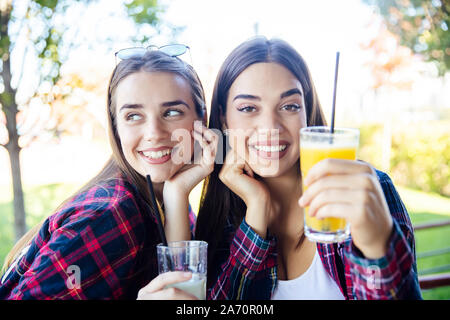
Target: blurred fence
429	278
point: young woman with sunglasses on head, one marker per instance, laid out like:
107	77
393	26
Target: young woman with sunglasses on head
101	243
250	213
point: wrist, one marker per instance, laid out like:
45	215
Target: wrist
261	200
257	216
376	250
374	253
173	191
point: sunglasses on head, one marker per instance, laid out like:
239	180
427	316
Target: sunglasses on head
173	50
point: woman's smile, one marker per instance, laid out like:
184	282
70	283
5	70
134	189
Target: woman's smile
271	150
156	155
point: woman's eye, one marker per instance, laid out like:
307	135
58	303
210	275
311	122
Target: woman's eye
247	109
173	113
133	117
291	107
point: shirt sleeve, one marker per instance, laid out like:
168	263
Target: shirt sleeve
393	276
246	267
85	258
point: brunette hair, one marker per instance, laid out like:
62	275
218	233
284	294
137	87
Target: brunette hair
218	202
152	61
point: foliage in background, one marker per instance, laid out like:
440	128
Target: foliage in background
149	22
422	25
420	157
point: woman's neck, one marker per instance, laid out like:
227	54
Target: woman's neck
286	187
285	191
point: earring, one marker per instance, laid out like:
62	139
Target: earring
224	130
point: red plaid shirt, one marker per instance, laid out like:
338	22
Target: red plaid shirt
245	265
100	245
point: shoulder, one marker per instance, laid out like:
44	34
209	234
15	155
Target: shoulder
389	190
107	200
394	201
383	177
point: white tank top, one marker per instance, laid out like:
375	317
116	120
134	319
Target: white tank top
314	284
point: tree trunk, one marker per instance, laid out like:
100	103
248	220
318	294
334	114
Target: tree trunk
19	207
9	107
13	148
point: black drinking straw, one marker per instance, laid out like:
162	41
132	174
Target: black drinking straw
334	92
158	217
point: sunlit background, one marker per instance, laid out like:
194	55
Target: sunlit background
398	99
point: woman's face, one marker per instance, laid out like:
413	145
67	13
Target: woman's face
150	107
265	111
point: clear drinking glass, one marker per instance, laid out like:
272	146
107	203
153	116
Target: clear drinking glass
186	256
316	144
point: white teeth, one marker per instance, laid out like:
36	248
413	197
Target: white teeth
157	154
270	148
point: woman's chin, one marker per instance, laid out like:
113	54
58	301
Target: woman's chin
162	174
273	169
269	171
157	176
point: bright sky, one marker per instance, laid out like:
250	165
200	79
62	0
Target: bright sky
317	29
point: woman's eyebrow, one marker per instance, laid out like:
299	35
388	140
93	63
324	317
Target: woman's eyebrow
246	96
131	106
290	93
175	103
164	104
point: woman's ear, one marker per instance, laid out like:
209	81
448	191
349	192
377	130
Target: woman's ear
224	127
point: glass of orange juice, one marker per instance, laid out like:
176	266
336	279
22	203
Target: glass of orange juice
316	144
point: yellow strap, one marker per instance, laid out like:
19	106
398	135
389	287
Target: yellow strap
161	212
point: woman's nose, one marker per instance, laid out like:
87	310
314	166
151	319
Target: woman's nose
155	129
270	122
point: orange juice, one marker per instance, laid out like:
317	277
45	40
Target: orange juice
316	144
311	156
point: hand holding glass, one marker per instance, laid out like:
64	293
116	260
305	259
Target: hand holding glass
185	256
316	144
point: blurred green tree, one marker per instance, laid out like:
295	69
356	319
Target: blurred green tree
39	26
422	25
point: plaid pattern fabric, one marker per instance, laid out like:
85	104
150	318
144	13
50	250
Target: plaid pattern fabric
246	265
106	234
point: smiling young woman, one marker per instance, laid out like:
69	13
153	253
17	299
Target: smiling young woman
250	213
107	232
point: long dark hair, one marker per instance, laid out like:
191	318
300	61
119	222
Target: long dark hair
152	61
218	202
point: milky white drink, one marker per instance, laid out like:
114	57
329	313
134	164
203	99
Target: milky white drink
195	286
185	256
